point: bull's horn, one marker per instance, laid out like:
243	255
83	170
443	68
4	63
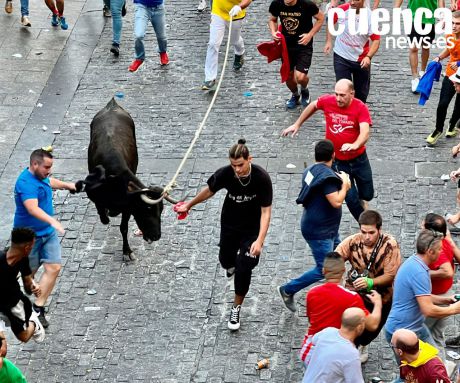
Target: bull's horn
150	201
170	199
173	201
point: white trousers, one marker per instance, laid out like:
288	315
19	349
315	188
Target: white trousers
216	35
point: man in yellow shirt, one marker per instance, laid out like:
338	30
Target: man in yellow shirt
221	14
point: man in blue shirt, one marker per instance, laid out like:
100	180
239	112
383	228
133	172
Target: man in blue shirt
322	194
34	209
412	298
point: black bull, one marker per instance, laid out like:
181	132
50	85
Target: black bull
112	183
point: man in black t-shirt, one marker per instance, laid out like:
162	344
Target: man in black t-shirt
15	307
298	30
244	220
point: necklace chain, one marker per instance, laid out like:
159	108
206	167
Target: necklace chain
248	176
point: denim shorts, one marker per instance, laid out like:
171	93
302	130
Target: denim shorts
47	249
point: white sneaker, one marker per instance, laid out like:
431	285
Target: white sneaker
421	73
25	21
363	354
201	5
39	333
415	82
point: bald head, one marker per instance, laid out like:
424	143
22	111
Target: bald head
344	92
406	341
345	85
352	318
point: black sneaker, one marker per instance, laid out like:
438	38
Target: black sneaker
288	299
115	49
305	93
238	62
40	310
230	272
234	321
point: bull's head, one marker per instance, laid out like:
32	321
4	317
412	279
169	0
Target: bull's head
147	207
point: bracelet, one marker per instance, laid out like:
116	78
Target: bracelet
370	283
369	57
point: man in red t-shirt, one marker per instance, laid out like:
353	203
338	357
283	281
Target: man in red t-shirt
326	303
442	273
347	125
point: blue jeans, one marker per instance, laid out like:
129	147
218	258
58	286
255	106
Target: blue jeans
117	23
24	7
319	249
156	15
362	186
423	334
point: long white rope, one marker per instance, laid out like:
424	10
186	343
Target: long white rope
168	188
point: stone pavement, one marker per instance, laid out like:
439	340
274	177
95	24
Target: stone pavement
163	318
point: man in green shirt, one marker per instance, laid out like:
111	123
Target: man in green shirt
9	373
422	41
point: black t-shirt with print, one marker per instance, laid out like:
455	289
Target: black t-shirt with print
10	291
242	206
295	19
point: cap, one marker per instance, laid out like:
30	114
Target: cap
456	76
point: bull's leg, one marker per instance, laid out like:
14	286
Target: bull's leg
127	252
102	214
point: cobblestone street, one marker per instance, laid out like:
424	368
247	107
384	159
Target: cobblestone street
164	317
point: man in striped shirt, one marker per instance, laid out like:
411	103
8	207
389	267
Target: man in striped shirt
353	52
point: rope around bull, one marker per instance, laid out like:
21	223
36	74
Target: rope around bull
172	184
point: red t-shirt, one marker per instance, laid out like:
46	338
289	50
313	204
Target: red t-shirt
446	255
342	124
326	304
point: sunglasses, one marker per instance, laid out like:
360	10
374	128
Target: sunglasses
436	235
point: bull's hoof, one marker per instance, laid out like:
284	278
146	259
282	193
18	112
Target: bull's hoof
105	220
129	257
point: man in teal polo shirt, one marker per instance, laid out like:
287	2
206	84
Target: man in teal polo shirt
33	194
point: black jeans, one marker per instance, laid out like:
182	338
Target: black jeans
362	186
234	252
368	336
445	97
352	71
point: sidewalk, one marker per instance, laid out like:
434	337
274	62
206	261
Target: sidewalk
41	70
